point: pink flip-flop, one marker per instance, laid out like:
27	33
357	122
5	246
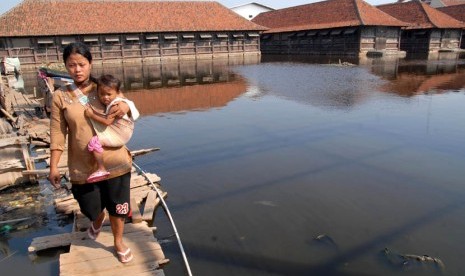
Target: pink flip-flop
98	176
92	232
125	257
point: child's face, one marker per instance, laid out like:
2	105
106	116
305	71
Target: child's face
107	94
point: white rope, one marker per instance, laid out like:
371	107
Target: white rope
167	211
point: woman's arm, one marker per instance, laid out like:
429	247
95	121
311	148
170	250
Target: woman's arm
58	132
118	110
54	176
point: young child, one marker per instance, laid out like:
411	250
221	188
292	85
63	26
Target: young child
111	131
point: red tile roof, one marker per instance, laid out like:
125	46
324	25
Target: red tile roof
64	17
324	15
457	12
420	15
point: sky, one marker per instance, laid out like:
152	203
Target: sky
5	5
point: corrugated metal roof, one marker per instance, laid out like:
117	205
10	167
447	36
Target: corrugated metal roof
64	17
325	15
420	15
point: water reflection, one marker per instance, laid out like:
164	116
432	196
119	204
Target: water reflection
405	76
411	77
152	76
195	97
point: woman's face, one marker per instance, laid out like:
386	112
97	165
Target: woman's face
78	67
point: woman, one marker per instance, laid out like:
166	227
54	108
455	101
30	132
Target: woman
68	121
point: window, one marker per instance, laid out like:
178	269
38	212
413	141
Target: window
3	44
112	39
21	42
151	37
132	38
91	40
350	30
312	33
67	40
45	41
170	37
188	36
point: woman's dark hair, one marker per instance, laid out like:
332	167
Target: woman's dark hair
109	81
77	48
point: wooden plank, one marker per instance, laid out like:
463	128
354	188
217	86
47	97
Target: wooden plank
9	165
59	240
101	258
135	153
150	204
43	172
9	116
29	164
94	250
17	140
136	215
139	180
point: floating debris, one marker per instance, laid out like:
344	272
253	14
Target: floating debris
325	240
411	261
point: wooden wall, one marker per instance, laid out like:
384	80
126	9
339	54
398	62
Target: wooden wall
345	41
39	50
430	40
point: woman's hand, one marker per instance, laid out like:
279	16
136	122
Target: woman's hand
54	177
118	110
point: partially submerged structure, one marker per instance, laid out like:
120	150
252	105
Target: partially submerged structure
36	31
457	12
351	27
429	30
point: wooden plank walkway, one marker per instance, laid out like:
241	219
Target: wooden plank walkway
98	257
89	257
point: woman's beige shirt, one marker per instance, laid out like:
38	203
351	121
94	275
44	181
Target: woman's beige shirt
68	121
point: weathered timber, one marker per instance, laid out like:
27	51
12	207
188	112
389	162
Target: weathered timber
88	257
136	214
151	202
135	153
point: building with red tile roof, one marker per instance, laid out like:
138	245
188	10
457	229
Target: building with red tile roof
335	26
125	29
429	30
457	12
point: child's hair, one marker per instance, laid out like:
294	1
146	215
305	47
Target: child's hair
109	81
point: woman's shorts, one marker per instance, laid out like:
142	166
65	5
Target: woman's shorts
112	194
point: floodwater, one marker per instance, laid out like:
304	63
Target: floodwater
297	166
